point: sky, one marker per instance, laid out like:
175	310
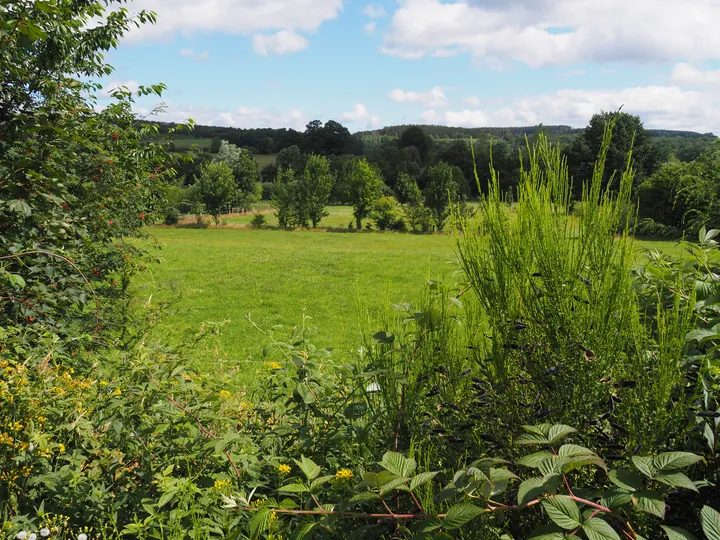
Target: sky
471	63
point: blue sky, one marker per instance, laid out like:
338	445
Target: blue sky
282	63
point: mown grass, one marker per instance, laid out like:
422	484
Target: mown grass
338	279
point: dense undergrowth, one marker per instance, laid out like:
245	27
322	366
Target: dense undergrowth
555	391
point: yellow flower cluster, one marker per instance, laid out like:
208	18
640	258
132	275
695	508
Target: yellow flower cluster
225	395
344	474
284	469
273	365
222	485
5	438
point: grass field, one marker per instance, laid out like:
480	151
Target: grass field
278	276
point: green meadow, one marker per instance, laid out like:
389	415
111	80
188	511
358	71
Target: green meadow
341	281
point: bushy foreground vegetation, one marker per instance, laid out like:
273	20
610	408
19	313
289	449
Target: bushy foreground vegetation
555	391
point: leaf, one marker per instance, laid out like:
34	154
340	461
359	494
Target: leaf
650	502
259	523
563	511
384	337
367	496
304	393
16	280
559	432
21	207
710	521
599	529
532	488
421	479
531	438
616	497
626	479
645	465
676	533
294	488
571	450
304	531
308	467
678	480
671	461
398	464
393	484
534	460
320	481
460	514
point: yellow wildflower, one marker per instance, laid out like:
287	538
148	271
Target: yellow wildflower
61	448
6	439
225	395
284	469
344	474
222	484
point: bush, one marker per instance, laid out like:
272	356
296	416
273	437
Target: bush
384	213
172	217
258	221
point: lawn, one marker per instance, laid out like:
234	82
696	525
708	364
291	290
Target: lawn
337	279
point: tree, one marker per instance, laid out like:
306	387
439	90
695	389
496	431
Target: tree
313	189
215	188
415	136
627	133
244	169
283	197
215	145
291	158
364	186
440	192
384	213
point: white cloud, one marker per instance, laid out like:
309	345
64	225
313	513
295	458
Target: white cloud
360	114
370	27
435	97
688	75
244	17
557	32
282	42
374	12
198	57
472	101
242	117
114	85
660	107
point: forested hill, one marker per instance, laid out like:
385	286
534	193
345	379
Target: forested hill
450	132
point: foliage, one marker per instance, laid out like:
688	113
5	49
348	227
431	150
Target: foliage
384	213
415	136
364	187
312	192
283	198
244	169
258	221
215	188
440	192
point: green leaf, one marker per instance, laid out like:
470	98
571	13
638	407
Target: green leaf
571	450
394	484
367	496
308	467
421	479
21	207
294	488
302	390
616	497
559	432
676	533
384	337
710	521
318	482
398	464
531	438
460	514
16	280
626	479
645	465
532	488
650	502
599	529
304	531
671	461
259	523
563	511
678	480
534	460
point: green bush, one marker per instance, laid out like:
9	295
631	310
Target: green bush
258	221
172	217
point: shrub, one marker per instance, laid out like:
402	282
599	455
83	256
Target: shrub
258	221
384	213
172	217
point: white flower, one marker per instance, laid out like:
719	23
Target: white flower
82	536
31	447
44	532
32	536
22	535
373	387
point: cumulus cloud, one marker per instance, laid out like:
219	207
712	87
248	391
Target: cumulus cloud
359	115
472	101
241	117
435	97
282	42
556	32
373	11
660	107
688	75
370	27
198	57
114	85
245	17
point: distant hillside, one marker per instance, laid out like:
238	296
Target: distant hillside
449	132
